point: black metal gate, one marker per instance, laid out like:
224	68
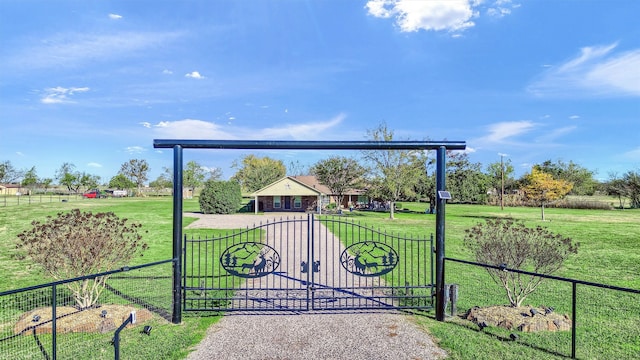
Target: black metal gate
307	263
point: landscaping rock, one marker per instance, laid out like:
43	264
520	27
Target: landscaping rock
527	318
72	320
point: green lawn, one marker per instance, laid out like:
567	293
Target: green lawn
608	253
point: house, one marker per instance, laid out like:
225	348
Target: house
300	194
11	189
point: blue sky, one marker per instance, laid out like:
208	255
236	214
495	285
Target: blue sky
94	82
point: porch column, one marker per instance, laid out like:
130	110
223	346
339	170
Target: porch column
255	205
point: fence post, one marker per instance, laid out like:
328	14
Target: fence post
176	316
573	320
440	204
54	326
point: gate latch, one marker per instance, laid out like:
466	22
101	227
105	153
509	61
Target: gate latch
305	267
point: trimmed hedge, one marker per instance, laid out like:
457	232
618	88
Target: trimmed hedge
220	197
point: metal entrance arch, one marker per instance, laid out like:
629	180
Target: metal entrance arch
178	146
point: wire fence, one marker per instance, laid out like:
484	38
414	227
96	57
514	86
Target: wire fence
26	199
45	322
570	318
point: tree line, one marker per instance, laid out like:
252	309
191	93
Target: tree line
389	175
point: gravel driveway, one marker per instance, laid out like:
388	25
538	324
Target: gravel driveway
348	335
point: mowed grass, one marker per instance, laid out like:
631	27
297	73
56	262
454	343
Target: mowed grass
608	322
168	341
609	253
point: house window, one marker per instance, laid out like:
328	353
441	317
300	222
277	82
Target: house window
276	202
297	202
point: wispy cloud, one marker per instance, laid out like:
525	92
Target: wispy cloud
436	15
135	149
574	117
200	129
146	124
596	71
73	49
115	16
94	165
191	129
555	134
304	131
194	75
633	155
502	131
60	95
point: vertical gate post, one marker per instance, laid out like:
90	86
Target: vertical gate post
440	204
176	316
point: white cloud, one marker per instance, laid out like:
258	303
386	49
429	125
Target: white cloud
304	131
200	129
191	129
574	117
194	75
450	15
73	49
501	8
633	155
502	131
146	124
554	134
60	95
167	72
596	71
435	15
115	16
19	153
94	164
135	149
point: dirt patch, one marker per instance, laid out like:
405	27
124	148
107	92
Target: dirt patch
72	320
523	318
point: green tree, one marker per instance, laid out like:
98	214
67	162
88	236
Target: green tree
220	197
120	181
395	172
136	171
543	188
465	180
88	181
253	173
69	177
582	179
510	244
30	178
193	175
8	173
425	186
81	243
632	187
46	183
495	172
339	174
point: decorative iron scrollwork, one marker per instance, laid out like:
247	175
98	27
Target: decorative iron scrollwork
250	260
369	258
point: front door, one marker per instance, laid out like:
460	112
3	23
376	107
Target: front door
287	202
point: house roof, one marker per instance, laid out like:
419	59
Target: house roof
291	186
299	185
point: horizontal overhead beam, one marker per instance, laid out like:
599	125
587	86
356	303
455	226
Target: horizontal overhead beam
308	145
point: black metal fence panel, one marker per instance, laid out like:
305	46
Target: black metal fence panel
573	318
307	263
45	322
